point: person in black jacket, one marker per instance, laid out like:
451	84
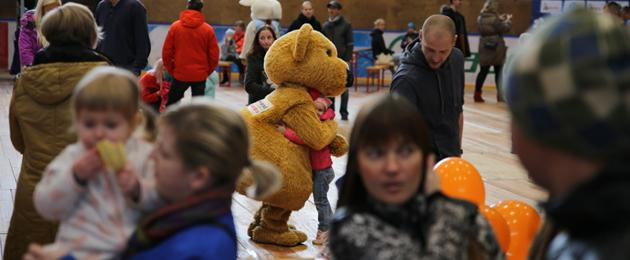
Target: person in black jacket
257	85
431	76
378	43
460	25
338	30
306	16
126	36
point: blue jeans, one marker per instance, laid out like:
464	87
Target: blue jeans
321	181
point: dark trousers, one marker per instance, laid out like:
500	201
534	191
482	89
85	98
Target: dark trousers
481	77
239	64
156	105
176	92
343	109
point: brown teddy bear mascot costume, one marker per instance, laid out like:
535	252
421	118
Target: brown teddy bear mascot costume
298	62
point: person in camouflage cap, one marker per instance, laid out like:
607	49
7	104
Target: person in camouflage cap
568	91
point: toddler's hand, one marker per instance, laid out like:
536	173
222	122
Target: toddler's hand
88	165
129	183
281	128
37	252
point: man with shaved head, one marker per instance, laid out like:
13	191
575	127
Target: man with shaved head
306	16
431	76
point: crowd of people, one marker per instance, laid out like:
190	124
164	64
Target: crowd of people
169	194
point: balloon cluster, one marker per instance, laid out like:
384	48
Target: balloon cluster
514	222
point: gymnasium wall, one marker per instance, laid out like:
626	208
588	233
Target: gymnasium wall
360	13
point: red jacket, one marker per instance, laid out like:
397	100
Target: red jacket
149	88
238	39
320	160
151	91
190	51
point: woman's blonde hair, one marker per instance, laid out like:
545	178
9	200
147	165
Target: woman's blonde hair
490	6
39	15
108	88
379	21
71	24
212	136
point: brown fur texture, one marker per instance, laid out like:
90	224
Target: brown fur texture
297	61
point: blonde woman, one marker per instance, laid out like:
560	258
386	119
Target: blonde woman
40	115
31	38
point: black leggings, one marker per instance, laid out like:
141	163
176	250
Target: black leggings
481	77
238	63
176	92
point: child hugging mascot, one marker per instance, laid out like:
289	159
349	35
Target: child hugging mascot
299	62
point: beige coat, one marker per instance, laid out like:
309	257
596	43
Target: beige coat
39	120
492	48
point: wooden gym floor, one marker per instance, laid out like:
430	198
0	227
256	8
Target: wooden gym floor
486	145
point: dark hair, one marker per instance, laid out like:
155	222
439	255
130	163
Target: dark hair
240	23
258	50
614	7
196	5
389	118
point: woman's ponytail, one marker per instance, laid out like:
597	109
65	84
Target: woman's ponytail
266	179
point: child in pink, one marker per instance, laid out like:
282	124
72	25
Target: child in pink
321	163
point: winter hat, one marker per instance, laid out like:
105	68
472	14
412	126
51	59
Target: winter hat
229	32
569	87
411	25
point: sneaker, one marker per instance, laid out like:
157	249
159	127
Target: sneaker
321	238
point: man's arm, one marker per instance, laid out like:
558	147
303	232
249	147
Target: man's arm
461	130
402	87
213	52
141	38
168	51
349	43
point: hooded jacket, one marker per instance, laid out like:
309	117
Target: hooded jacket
437	94
28	43
301	20
39	120
591	222
378	44
191	50
492	48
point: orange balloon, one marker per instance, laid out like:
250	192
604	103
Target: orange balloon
500	227
460	179
523	221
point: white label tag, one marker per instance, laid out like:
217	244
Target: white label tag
259	106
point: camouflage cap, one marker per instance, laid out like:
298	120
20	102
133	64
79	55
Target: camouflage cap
569	86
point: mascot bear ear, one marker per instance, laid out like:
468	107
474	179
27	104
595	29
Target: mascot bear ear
301	44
